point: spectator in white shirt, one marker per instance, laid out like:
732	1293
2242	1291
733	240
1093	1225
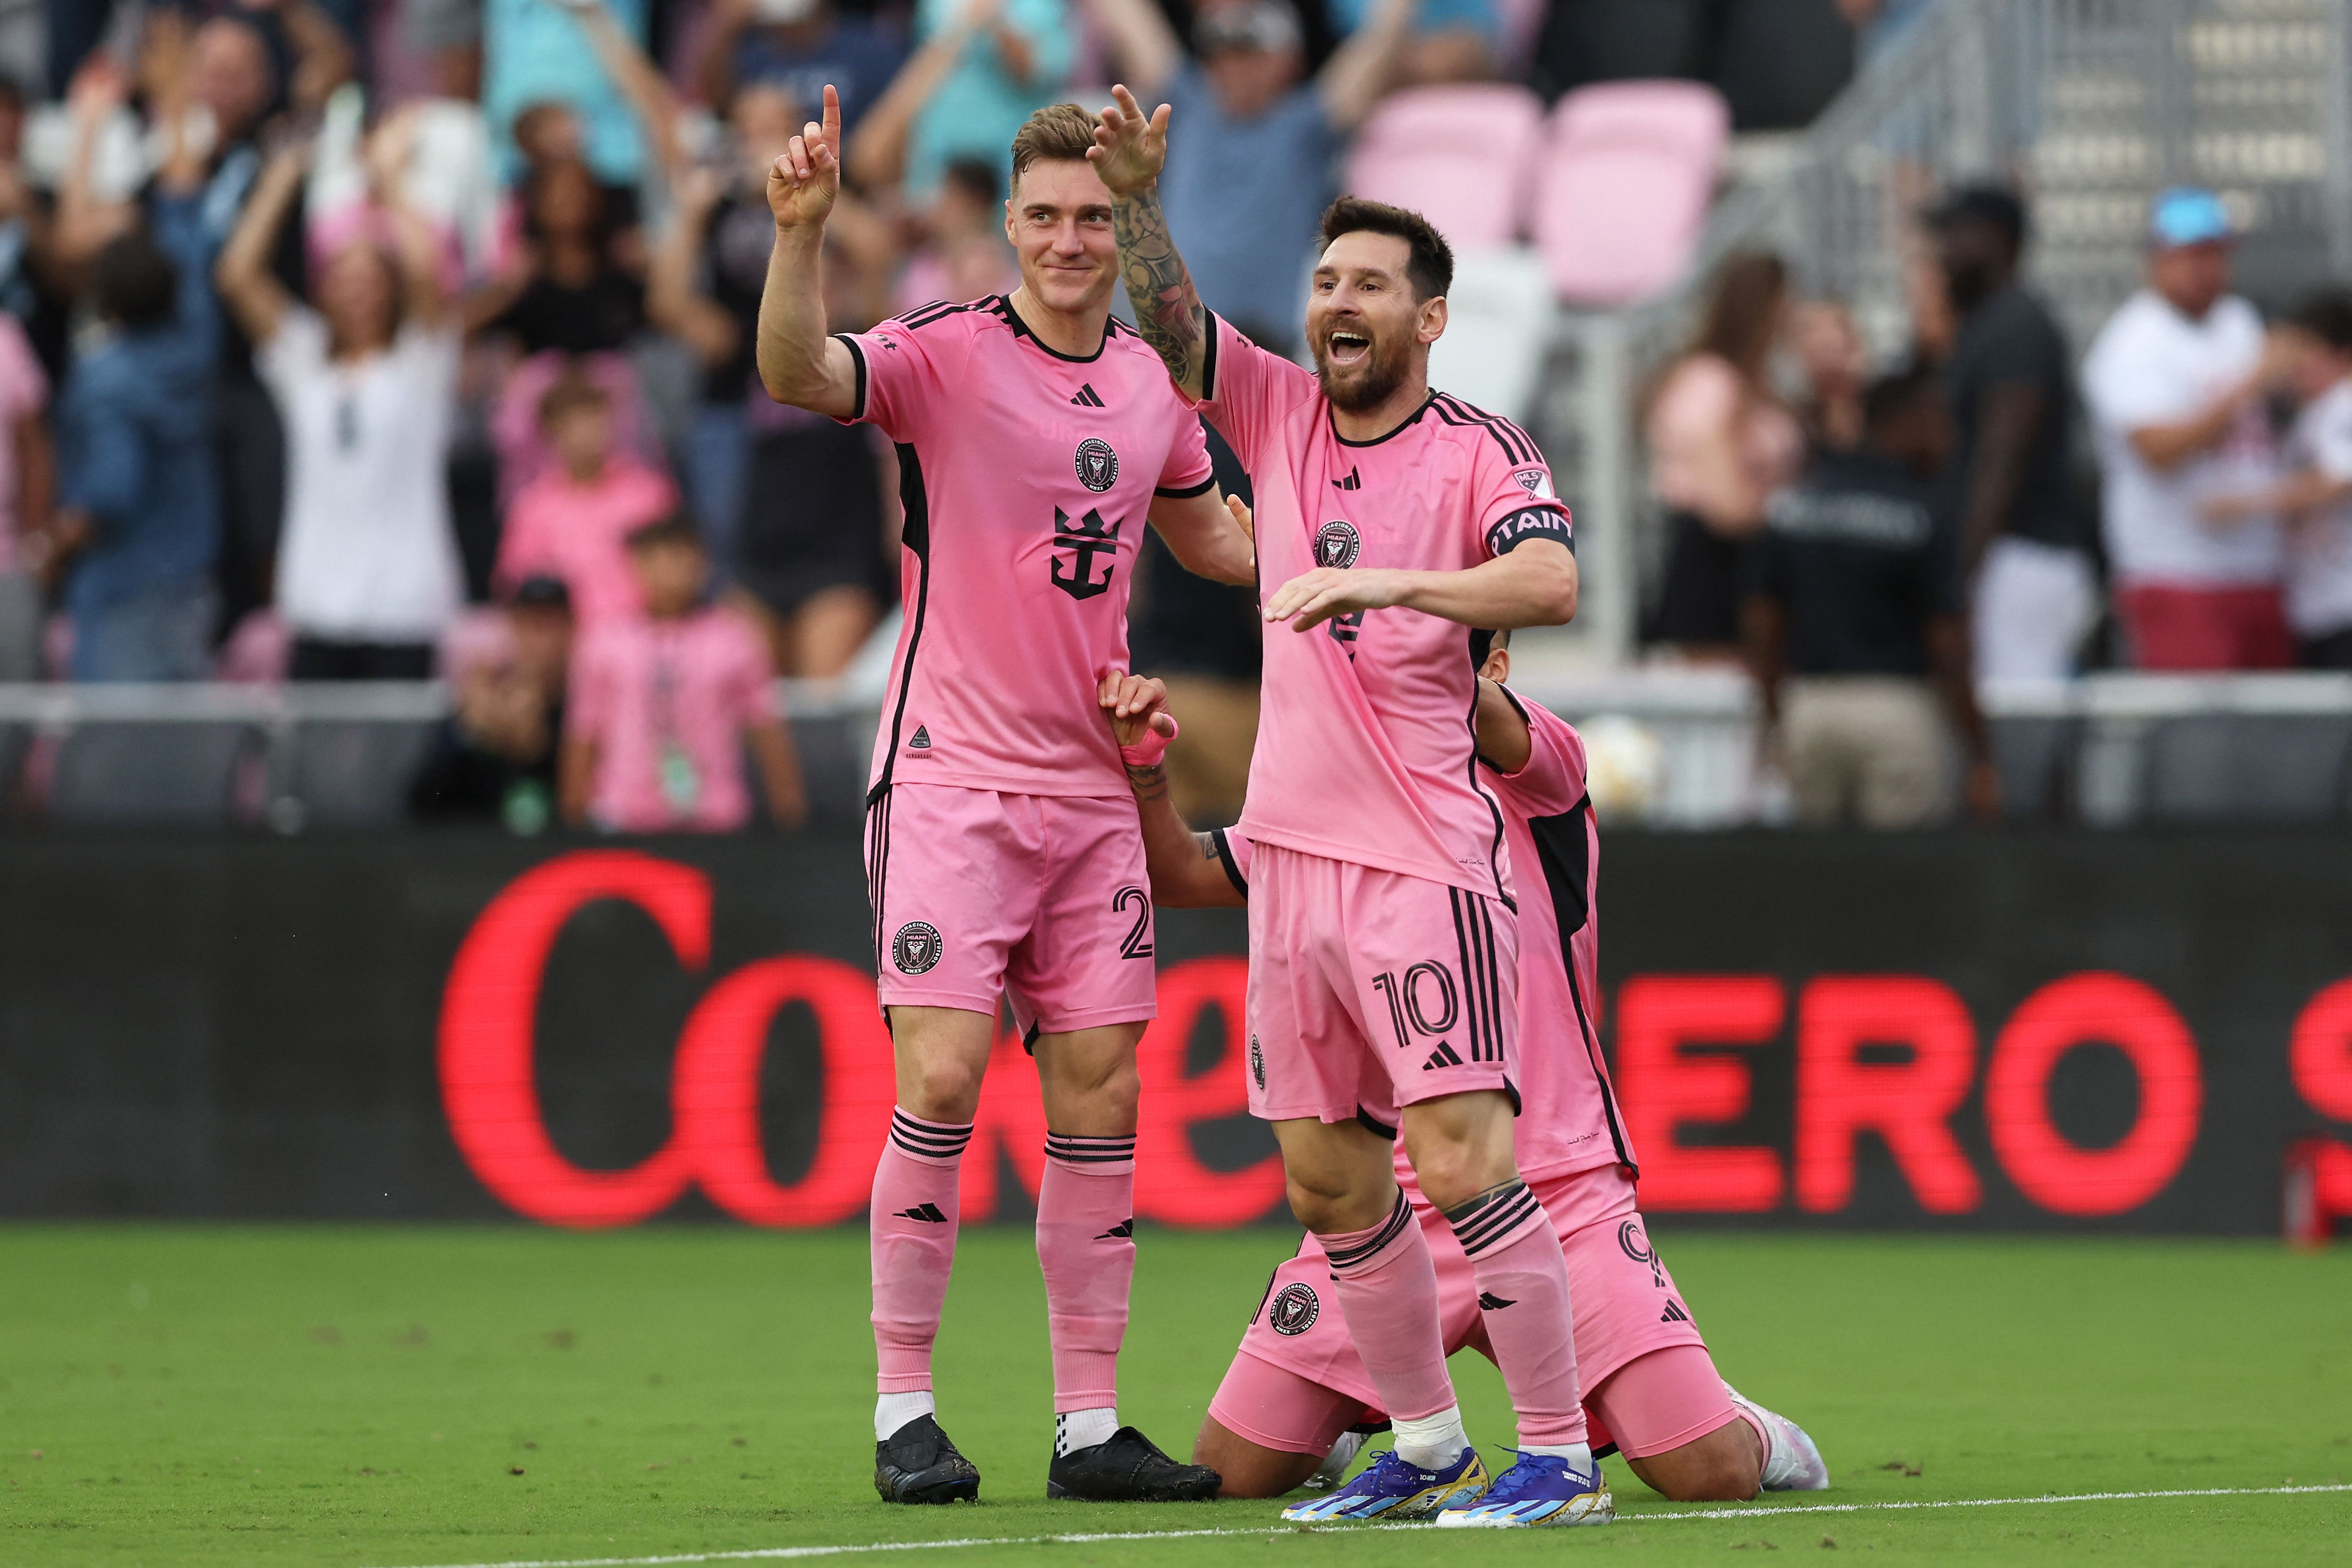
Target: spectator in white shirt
2316	496
368	575
2175	382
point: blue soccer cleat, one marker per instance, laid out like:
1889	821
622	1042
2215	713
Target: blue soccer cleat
1542	1488
1390	1489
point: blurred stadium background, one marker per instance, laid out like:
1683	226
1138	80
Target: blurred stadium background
301	919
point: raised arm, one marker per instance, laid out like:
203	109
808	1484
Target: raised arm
1184	867
1129	151
254	294
416	242
323	57
673	302
799	363
1143	45
1360	69
639	80
878	154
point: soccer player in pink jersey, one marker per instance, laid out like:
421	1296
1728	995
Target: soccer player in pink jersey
1294	1403
1035	438
1391	521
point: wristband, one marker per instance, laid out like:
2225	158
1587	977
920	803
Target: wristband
1147	752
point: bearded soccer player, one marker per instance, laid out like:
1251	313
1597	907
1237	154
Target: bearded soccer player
1036	436
1296	1401
1384	933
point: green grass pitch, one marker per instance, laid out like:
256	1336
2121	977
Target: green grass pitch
397	1396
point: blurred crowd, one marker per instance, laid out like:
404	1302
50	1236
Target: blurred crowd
357	340
2000	504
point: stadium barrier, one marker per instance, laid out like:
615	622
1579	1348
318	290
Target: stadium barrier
2040	1032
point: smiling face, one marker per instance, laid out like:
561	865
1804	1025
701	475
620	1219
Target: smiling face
1368	332
1058	220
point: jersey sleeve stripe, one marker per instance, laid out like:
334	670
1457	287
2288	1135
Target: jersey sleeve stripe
1209	358
857	355
1179	493
1509	436
1225	857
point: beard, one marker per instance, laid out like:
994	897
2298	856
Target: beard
1366	385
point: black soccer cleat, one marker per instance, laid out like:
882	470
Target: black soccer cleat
918	1463
1128	1468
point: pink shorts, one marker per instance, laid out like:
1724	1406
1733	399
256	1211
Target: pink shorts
1370	989
976	892
1297	1381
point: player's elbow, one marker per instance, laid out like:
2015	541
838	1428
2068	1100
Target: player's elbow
1552	592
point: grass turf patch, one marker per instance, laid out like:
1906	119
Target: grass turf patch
405	1396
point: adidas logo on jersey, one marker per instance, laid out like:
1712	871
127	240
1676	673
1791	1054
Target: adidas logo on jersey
928	1213
1090	398
1444	1056
1490	1302
1352	482
922	741
1674	1313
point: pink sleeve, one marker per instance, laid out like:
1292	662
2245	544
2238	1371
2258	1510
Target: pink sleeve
752	674
1552	780
588	701
523	543
23	387
1245	389
1233	849
908	367
1188	471
1515	500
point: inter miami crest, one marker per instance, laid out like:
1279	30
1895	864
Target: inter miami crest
1096	464
917	948
1337	544
1294	1310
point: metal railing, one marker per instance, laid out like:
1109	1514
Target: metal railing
2089	106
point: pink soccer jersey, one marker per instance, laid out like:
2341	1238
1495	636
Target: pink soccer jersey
1568	1111
1364	743
1027	475
667	703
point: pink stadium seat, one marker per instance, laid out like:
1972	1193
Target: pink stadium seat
1459	156
1621	186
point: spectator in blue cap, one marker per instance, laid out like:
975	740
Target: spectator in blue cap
2176	382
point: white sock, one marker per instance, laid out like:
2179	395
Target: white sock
1433	1442
1335	1463
1076	1429
892	1411
1577	1455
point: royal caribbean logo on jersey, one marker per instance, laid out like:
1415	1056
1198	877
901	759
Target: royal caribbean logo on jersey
1083	538
1337	544
917	948
1536	482
1096	464
1293	1310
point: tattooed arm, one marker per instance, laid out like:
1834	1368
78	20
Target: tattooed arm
1186	869
1129	151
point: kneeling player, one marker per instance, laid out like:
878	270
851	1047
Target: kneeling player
1296	1399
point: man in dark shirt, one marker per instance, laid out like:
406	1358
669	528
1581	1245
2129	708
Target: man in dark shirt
2022	534
1854	630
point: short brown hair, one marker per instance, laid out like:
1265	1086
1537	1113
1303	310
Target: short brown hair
572	390
1059	132
1431	265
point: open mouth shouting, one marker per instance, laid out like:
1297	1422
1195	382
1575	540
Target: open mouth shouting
1345	348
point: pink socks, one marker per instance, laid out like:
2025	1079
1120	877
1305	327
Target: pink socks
1086	1245
1387	1286
913	1221
1523	1294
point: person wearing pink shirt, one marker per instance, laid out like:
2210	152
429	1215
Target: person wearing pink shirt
573	522
662	705
1296	1401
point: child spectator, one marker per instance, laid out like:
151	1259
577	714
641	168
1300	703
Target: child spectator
661	707
25	473
494	758
2316	499
572	523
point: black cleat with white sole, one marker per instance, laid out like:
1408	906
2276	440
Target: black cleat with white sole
918	1463
1128	1468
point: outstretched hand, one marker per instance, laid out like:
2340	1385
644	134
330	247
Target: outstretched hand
1130	147
803	182
1312	598
1136	705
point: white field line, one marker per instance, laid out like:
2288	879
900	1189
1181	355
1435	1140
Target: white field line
1745	1515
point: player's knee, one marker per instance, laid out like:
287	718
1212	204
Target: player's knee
1451	1174
1702	1472
944	1090
1246	1469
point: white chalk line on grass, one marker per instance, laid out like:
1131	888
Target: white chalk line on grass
778	1554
